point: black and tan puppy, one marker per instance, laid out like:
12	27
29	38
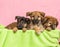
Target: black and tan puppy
22	23
36	18
50	23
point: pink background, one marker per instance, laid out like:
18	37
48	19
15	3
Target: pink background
10	8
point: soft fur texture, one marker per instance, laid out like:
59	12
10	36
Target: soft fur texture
50	23
36	19
12	25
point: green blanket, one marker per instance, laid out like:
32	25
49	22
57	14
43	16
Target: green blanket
28	39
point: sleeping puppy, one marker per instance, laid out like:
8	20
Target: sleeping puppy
36	18
22	23
50	23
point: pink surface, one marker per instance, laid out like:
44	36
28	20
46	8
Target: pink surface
10	8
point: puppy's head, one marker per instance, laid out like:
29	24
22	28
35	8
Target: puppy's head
50	22
22	22
36	16
19	21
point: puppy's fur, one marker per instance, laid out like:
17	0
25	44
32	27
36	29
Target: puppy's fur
36	18
50	23
12	25
22	22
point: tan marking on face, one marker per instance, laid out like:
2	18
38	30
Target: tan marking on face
39	18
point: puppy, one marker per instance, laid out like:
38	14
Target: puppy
36	18
50	23
22	23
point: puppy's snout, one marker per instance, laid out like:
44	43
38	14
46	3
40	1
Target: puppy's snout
35	17
20	26
53	26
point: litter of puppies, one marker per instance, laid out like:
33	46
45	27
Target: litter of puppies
37	21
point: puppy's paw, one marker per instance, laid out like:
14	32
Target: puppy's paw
48	28
15	29
37	31
24	29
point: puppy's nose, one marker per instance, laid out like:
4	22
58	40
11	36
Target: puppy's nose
20	27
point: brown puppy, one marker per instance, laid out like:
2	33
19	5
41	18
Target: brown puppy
50	23
36	18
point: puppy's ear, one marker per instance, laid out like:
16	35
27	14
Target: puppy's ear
17	17
28	20
57	23
28	13
42	13
44	20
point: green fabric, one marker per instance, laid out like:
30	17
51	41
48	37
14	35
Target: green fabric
1	26
28	38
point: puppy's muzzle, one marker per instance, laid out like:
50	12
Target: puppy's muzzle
20	26
53	27
35	21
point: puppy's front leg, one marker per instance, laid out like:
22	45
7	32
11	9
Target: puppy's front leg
37	30
24	29
48	29
15	29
